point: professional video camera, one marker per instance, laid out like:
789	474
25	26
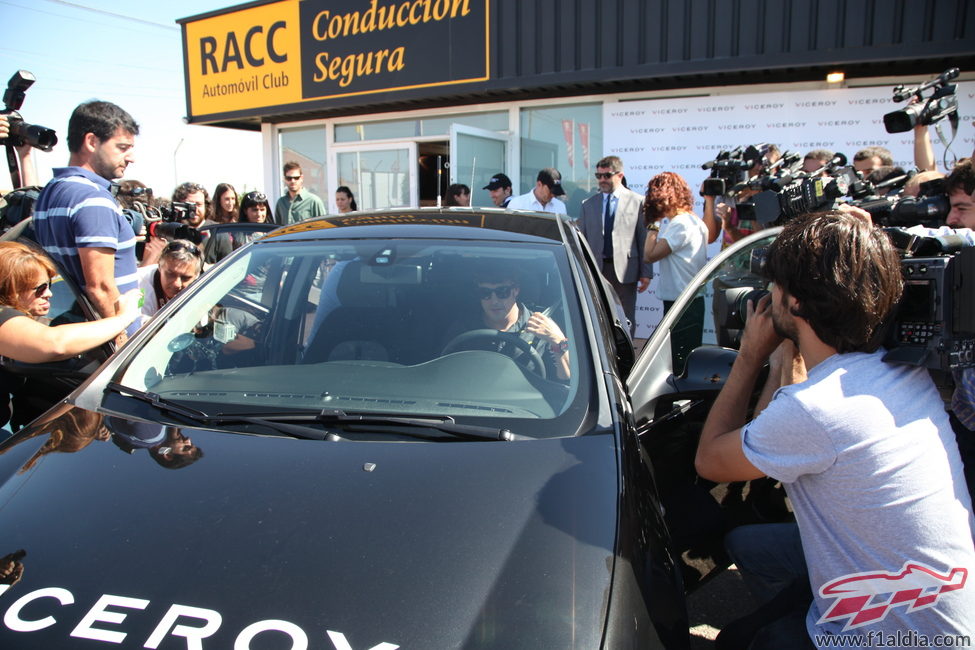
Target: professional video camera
934	325
929	208
941	104
20	132
729	168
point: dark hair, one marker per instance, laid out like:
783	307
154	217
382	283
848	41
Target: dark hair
254	199
131	192
288	166
822	155
183	190
103	119
495	273
454	191
845	274
348	192
962	177
667	194
613	162
219	214
886	158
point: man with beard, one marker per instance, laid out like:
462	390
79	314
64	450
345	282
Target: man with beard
77	220
612	222
863	448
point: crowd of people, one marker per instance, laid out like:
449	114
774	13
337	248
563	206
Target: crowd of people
873	463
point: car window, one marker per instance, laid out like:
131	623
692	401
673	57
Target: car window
376	326
223	239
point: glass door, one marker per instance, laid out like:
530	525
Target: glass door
475	156
380	176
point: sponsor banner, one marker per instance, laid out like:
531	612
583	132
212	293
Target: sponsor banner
294	51
681	134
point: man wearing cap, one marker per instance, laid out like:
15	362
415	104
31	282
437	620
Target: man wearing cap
499	188
612	222
548	185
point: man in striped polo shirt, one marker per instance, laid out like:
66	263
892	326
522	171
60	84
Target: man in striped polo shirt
78	221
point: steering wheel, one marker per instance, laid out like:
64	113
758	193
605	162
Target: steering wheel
494	337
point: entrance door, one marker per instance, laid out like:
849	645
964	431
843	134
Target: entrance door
380	176
475	156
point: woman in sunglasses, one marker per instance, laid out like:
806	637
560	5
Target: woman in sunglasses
25	297
180	263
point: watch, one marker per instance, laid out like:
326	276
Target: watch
654	227
559	348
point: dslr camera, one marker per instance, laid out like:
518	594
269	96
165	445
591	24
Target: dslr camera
940	104
21	132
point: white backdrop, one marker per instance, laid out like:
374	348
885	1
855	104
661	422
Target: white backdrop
653	136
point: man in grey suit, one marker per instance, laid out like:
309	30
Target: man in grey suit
612	222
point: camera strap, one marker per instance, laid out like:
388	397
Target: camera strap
953	119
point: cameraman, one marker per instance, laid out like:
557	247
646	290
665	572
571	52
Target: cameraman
195	195
863	448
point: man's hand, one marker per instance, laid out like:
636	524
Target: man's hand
856	212
759	340
642	285
544	327
152	250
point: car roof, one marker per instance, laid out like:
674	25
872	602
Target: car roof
436	223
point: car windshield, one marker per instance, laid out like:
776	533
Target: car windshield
381	327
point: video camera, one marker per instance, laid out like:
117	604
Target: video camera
941	104
729	168
166	221
21	132
929	208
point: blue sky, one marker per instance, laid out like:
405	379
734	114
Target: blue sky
129	54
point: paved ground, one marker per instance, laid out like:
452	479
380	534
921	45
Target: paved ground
720	601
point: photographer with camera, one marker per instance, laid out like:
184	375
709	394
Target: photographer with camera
863	448
181	219
77	220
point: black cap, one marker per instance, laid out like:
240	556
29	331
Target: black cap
551	177
498	181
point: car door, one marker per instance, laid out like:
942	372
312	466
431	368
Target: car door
670	407
45	384
221	239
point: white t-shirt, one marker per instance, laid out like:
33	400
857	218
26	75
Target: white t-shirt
687	237
149	299
870	463
530	202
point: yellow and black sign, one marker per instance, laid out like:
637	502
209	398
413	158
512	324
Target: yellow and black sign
299	51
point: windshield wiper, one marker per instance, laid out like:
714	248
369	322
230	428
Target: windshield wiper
443	423
199	417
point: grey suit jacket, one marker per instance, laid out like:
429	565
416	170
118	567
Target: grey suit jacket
629	233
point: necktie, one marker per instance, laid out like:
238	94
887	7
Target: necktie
609	218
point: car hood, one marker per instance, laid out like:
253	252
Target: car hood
410	544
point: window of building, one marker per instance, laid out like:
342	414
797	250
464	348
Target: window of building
567	137
306	146
418	127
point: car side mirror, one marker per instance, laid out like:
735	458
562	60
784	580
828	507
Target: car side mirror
706	369
625	354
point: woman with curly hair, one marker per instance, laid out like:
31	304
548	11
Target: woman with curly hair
680	245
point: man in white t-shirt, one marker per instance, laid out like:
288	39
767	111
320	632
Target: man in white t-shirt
542	198
864	449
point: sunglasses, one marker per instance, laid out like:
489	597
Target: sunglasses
292	178
174	246
604	176
502	292
41	289
255	197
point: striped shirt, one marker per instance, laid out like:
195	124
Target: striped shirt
77	210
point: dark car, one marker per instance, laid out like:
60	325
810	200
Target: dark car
321	444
